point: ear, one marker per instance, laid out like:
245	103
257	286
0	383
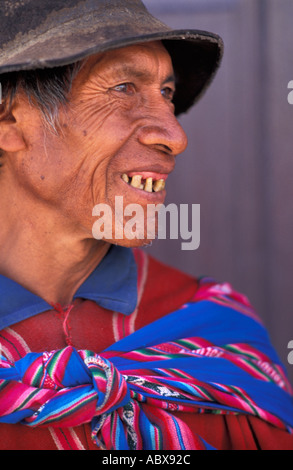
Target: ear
11	136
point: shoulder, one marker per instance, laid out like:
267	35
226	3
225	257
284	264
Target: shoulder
157	280
163	289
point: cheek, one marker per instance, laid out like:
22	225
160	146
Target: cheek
101	143
104	121
40	164
51	171
89	157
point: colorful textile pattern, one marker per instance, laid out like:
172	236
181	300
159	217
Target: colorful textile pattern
210	356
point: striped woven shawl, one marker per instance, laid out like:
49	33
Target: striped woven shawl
210	356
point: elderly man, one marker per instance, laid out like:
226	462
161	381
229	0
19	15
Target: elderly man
102	347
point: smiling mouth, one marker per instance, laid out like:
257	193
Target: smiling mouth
149	184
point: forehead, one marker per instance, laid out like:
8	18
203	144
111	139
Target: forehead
144	59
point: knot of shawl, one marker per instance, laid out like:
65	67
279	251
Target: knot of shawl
83	384
110	385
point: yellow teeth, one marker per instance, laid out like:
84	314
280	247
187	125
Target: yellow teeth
159	185
125	178
147	185
136	181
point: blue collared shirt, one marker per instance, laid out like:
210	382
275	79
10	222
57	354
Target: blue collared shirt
112	285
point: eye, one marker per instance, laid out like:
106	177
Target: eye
168	93
126	88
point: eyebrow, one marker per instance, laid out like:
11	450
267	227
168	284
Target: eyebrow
140	74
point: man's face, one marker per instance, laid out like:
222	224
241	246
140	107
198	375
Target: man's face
119	125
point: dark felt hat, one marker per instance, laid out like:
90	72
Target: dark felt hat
48	33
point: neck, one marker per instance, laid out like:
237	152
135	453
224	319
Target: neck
47	257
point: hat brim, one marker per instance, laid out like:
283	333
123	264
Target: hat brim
66	37
196	56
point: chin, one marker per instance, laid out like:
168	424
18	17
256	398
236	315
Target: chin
135	228
135	243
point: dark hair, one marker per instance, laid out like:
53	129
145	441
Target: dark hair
45	88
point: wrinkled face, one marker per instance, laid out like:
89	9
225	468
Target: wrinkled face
119	137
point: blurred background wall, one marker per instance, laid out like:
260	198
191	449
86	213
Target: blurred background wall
239	163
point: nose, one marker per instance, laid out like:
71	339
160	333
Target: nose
162	131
